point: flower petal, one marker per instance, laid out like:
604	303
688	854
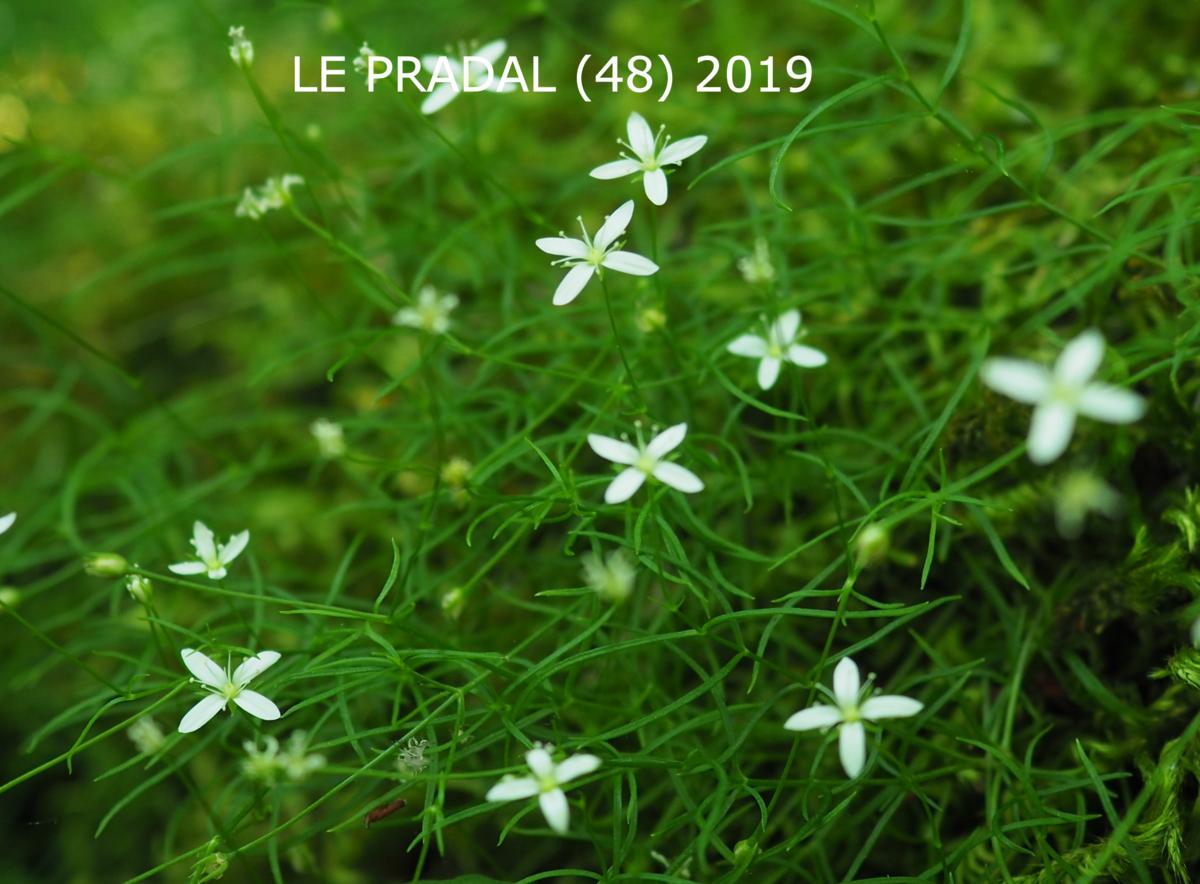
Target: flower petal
1103	402
846	683
203	668
614	225
554	807
631	263
655	183
616	169
678	151
576	766
667	441
1080	358
187	568
252	667
565	246
641	137
612	449
6	522
540	762
1016	378
852	748
679	478
257	705
202	541
233	549
512	788
890	706
1050	431
768	372
200	714
623	487
814	717
748	345
572	284
785	327
491	51
806	357
437	99
217	573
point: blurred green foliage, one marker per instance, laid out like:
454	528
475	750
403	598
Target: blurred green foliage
961	178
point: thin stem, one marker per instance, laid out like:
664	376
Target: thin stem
612	318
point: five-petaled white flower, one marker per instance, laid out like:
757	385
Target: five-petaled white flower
853	706
226	687
546	783
431	314
587	256
212	556
6	522
649	157
645	460
1063	393
445	67
778	346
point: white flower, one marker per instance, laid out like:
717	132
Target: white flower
757	268
853	707
274	193
146	735
241	50
612	577
643	461
363	61
778	346
331	438
649	157
546	783
444	93
6	522
225	687
1079	494
212	556
1063	393
432	313
261	764
296	761
586	256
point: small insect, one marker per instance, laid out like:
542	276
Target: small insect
384	810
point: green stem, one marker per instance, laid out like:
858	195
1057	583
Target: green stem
612	319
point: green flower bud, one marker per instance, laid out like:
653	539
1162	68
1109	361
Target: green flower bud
872	544
105	564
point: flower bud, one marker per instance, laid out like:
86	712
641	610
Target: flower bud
745	851
105	564
872	545
139	587
453	602
9	597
